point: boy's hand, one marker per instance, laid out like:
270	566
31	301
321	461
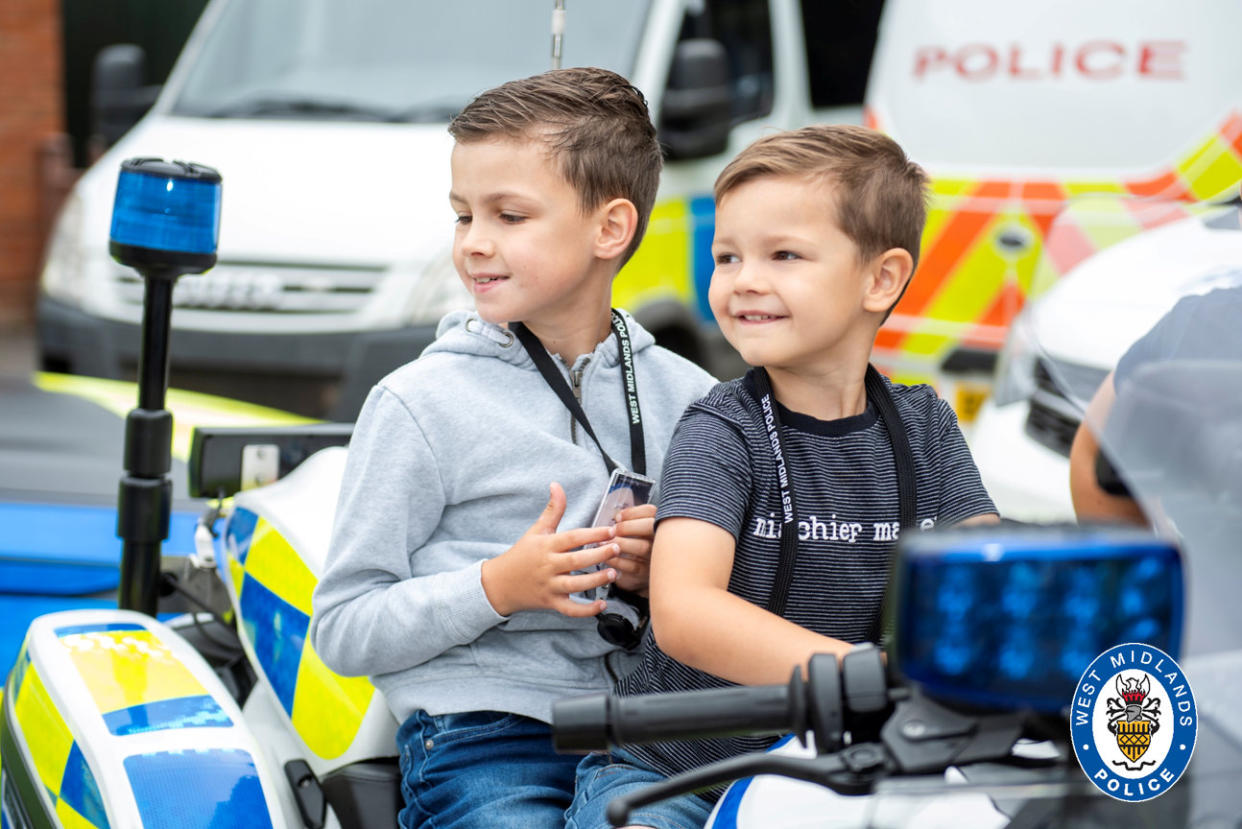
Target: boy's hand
635	528
535	572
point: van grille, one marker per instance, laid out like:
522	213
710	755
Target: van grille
282	289
1053	419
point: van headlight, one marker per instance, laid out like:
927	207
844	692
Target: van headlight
1015	367
64	269
437	291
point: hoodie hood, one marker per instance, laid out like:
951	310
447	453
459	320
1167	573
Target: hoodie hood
465	332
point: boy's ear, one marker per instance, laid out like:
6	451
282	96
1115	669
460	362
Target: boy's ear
886	279
618	221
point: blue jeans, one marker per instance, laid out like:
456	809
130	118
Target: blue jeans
482	769
601	777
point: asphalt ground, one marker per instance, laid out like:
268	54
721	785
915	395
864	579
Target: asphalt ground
55	448
60	464
42	464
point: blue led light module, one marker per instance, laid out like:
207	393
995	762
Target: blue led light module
1011	617
166	215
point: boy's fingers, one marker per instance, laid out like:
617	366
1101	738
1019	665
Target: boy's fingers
638	549
550	518
568	607
571	539
640	511
628	566
582	559
585	581
643	528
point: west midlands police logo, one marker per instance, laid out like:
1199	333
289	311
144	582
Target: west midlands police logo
1134	722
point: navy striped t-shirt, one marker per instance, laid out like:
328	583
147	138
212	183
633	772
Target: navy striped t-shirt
720	469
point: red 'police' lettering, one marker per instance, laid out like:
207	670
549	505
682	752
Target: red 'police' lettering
1095	60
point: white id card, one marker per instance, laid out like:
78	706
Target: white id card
625	490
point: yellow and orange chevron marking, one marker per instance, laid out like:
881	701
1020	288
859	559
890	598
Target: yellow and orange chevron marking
984	240
1091	224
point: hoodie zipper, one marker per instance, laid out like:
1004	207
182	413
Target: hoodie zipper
575	385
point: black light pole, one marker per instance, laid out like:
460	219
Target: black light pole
165	223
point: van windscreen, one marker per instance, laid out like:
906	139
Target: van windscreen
387	60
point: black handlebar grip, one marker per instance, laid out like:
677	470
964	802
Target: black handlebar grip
863	680
598	721
580	724
719	712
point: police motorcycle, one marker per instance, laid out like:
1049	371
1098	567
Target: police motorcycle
981	708
222	716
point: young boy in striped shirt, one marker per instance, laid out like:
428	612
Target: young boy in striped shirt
784	490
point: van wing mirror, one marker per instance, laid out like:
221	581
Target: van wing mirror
118	97
695	114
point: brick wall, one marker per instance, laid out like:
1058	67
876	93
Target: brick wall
30	117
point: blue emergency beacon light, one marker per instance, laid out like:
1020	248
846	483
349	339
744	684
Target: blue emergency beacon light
1011	618
165	223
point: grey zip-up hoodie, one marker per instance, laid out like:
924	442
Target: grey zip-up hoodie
449	465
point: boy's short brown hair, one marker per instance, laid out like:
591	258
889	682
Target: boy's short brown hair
880	194
596	125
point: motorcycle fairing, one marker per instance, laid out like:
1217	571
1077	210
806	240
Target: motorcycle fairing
112	719
273	550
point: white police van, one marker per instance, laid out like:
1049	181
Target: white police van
328	121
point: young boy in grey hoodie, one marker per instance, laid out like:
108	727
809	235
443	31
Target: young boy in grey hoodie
437	584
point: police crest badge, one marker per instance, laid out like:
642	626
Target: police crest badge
1133	718
1135	745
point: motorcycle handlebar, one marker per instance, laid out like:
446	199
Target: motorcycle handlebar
819	705
598	721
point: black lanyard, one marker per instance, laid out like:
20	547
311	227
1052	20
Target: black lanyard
629	385
878	394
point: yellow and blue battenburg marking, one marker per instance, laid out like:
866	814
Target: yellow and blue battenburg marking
59	764
138	686
274	587
674	261
210	788
125	666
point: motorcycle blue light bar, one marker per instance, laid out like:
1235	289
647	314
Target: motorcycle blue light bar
166	215
1011	618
